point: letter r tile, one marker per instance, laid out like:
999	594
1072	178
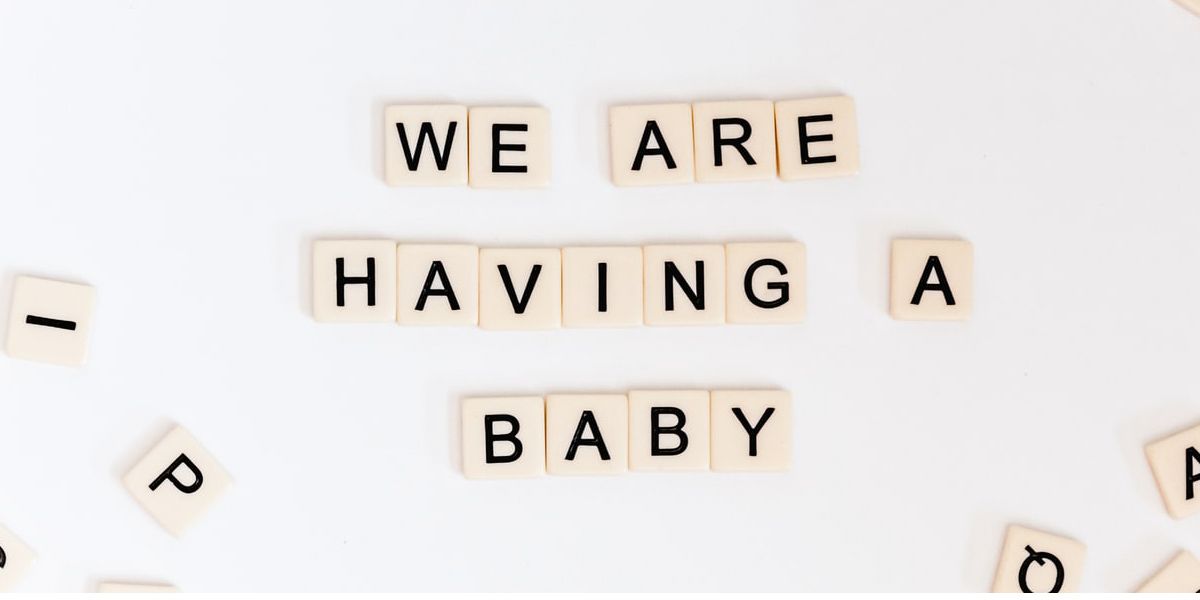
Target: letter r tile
178	481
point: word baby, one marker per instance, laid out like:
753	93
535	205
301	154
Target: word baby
509	147
543	288
598	434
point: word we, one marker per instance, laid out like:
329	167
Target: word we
597	434
544	288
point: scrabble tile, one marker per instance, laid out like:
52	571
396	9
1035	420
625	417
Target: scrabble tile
15	559
503	437
685	285
764	283
114	587
437	284
734	141
425	144
1035	561
587	434
50	321
354	281
668	430
520	288
1192	5
818	137
651	144
751	430
1175	461
1181	575
510	147
602	287
178	481
931	280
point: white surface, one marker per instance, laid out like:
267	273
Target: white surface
182	159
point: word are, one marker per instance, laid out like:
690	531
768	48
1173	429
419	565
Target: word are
177	481
596	434
509	147
544	288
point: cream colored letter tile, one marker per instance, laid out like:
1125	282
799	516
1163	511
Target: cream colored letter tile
425	144
50	321
510	147
668	430
1035	561
765	283
503	437
116	587
651	144
735	141
1181	575
354	281
932	280
15	559
817	137
520	288
587	434
602	287
685	285
178	481
1175	461
438	285
751	430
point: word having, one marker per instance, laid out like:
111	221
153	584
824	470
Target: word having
542	288
596	434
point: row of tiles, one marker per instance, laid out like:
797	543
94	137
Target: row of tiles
614	286
651	144
605	434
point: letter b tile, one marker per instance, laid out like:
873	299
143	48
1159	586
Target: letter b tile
1035	561
178	481
503	437
1175	461
668	430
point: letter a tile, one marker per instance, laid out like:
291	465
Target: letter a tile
503	437
1035	561
932	280
1175	461
587	434
15	559
177	482
651	144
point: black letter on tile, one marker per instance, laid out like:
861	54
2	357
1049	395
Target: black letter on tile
1191	457
519	305
342	281
1040	558
673	276
439	271
660	148
752	432
933	265
497	147
441	156
3	558
781	286
602	286
736	142
805	140
588	421
656	429
491	437
169	475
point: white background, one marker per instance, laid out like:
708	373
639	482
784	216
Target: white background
182	157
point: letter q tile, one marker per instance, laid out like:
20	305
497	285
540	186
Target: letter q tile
50	321
178	481
1036	561
15	559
